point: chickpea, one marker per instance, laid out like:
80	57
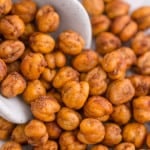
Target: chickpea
100	23
121	114
5	128
6	6
11	27
75	94
33	90
148	140
97	107
54	131
95	7
33	65
113	134
18	134
25	9
41	42
134	133
120	91
70	42
64	75
13	85
36	133
56	60
49	145
125	146
3	70
81	61
10	145
68	141
11	50
116	8
99	147
107	42
91	131
13	67
125	27
44	108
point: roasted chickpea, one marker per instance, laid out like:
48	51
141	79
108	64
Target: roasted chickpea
81	61
5	129
125	27
55	60
100	24
13	67
99	147
18	134
94	7
49	145
107	42
6	6
75	94
11	50
134	133
121	114
54	131
3	70
41	42
44	108
11	27
116	8
91	131
25	9
36	133
142	17
69	141
125	146
10	145
70	42
13	85
64	75
33	65
120	91
33	90
148	140
97	107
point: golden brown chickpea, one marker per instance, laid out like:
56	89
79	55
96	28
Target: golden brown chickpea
3	70
97	107
94	7
64	75
36	133
54	131
99	147
116	8
5	129
75	94
124	27
25	9
6	6
125	146
11	27
11	50
47	19
10	145
14	84
56	60
100	24
91	131
121	114
13	67
68	141
33	90
41	42
44	108
33	65
120	91
18	134
81	61
49	145
142	16
134	133
107	42
68	119
148	140
70	42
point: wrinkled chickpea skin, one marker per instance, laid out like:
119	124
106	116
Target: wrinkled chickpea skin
11	146
99	147
6	6
125	146
3	69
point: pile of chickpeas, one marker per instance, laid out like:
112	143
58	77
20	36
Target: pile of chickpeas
78	97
